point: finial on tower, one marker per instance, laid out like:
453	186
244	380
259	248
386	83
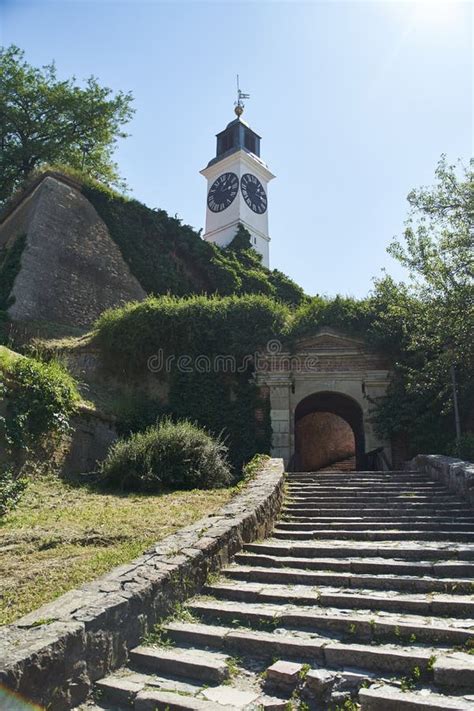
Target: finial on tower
239	104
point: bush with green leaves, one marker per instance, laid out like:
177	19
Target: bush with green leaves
352	316
40	400
169	455
11	489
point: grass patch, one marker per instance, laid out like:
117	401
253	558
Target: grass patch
61	535
7	358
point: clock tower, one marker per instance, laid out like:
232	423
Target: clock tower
237	180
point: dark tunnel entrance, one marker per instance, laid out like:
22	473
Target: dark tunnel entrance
328	428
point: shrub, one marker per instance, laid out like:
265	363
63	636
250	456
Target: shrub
11	488
168	455
350	315
40	399
286	290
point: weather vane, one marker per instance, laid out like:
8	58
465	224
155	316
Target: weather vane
239	104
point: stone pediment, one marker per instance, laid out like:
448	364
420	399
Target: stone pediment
328	340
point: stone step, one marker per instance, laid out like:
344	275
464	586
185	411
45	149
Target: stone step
432	524
402	512
309	489
333	480
356	475
336	480
406	487
388	525
409	550
361	565
371	498
390	698
156	700
456	606
289	576
324	651
344	481
305	489
393	534
121	687
405	520
217	698
118	689
360	473
376	501
368	628
204	666
370	495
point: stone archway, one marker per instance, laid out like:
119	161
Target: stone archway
296	376
336	420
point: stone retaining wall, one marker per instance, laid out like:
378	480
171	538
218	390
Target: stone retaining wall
457	475
53	655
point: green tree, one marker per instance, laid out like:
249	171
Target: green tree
433	314
45	120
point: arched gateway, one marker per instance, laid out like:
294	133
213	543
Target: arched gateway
322	394
329	427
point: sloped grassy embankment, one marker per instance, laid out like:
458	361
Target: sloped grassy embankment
61	534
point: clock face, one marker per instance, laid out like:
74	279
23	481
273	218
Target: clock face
254	193
222	192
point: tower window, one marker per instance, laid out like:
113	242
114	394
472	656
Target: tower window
250	142
226	141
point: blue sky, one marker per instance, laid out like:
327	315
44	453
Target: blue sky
355	102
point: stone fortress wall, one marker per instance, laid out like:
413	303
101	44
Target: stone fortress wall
71	269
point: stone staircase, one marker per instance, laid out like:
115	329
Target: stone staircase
364	595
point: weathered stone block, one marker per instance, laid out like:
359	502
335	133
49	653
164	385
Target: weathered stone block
46	663
319	681
283	673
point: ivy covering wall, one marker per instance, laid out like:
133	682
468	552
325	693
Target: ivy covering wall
166	256
237	326
205	347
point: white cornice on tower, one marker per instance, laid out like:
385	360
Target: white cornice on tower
250	160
